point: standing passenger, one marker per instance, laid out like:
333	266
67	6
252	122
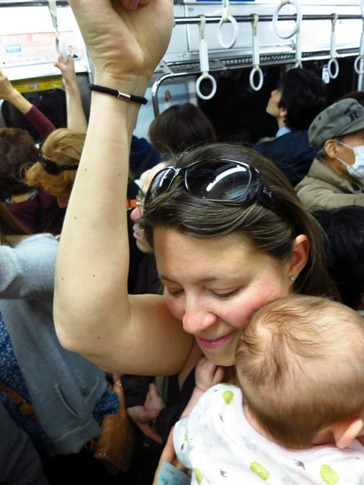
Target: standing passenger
299	97
336	177
226	227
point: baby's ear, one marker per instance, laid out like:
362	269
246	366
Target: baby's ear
346	432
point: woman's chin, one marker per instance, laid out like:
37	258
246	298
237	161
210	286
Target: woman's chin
220	360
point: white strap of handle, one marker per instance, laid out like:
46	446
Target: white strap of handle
333	65
60	44
204	64
359	61
298	62
256	68
297	23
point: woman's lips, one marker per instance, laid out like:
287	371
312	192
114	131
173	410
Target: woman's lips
215	343
136	233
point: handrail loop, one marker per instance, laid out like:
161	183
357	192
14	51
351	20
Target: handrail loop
204	64
359	61
255	55
333	65
298	19
227	17
60	44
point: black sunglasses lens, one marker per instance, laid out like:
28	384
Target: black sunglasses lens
223	181
160	183
49	166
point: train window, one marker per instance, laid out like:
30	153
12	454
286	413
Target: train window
52	103
238	113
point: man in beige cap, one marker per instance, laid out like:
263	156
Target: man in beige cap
336	176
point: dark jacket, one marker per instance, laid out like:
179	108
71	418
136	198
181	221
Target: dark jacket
291	153
142	156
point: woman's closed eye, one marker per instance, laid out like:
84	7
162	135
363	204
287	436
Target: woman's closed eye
224	294
174	292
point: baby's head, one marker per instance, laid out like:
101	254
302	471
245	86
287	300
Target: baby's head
300	363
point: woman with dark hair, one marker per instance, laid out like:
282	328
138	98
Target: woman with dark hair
227	229
180	127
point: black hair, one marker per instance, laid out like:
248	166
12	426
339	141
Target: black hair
303	95
344	245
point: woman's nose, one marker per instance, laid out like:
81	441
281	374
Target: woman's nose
135	214
197	318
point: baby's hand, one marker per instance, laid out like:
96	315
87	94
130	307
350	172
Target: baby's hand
207	374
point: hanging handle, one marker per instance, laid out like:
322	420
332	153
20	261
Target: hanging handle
256	68
297	23
359	61
227	17
204	64
60	44
333	65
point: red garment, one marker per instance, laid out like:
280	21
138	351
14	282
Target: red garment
40	122
40	213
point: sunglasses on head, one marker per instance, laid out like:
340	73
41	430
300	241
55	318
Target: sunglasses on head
218	180
52	167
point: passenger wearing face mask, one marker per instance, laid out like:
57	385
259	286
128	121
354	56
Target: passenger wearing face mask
336	176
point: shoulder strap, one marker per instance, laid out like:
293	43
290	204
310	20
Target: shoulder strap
24	406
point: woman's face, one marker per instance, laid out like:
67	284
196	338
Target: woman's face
136	213
214	286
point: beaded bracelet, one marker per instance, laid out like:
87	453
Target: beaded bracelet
118	94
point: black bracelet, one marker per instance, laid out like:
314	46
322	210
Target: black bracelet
118	94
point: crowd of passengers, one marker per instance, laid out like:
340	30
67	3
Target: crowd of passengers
229	238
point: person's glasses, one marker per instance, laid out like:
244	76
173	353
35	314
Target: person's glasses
218	180
52	167
140	198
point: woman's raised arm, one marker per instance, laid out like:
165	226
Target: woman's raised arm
93	313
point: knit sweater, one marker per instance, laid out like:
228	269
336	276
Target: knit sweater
63	386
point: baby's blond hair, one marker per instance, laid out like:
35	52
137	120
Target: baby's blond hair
300	363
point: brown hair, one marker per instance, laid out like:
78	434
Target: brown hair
179	128
270	230
17	147
63	146
300	363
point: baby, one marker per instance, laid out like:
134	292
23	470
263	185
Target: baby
298	413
